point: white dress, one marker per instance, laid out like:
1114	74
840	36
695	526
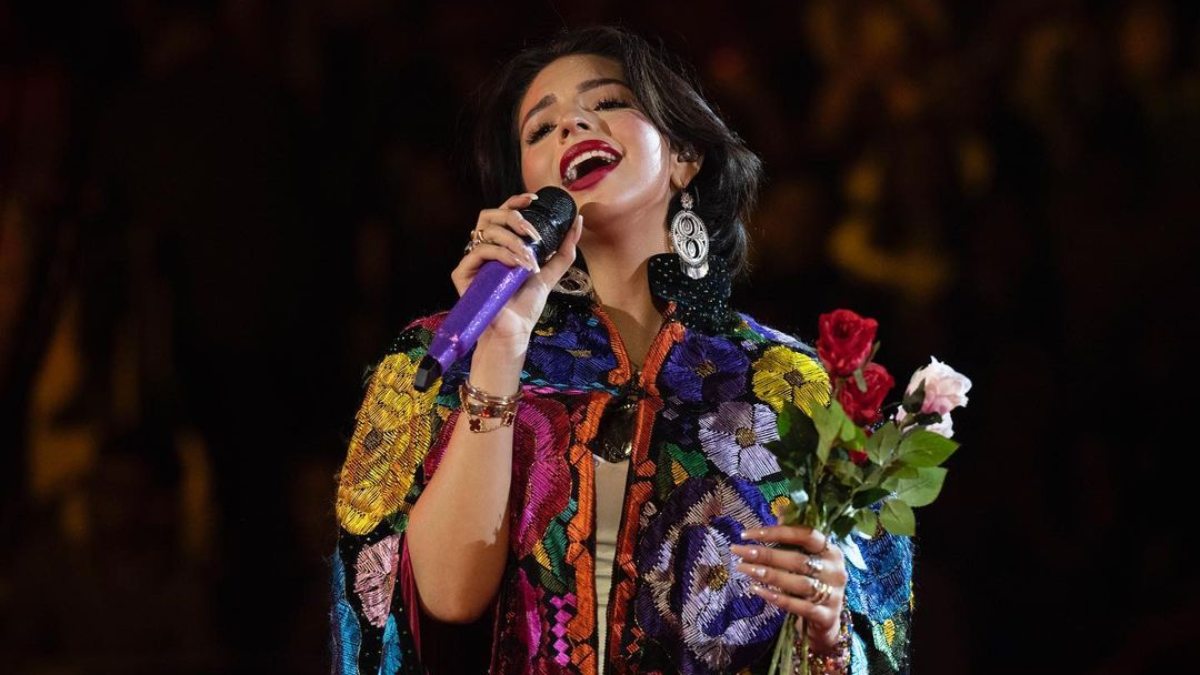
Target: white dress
610	497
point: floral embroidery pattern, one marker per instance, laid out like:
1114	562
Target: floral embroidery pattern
783	374
692	599
381	464
579	355
733	438
703	368
375	578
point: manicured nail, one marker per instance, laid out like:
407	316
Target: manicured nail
531	195
533	232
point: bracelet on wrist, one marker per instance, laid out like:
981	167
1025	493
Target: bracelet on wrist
833	661
487	412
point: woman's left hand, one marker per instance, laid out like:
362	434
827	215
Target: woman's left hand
792	579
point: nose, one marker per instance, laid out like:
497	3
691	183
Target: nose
573	122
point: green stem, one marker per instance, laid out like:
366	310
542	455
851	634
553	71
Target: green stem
803	645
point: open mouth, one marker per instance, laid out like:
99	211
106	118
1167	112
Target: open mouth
586	163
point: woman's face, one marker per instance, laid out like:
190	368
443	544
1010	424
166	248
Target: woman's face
581	128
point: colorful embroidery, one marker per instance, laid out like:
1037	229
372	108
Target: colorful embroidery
705	369
375	578
393	430
701	409
693	601
783	374
733	438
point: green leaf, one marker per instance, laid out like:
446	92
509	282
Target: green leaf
923	448
848	431
868	497
828	422
897	518
860	381
882	444
922	489
895	473
912	402
859	440
842	526
846	472
867	522
796	429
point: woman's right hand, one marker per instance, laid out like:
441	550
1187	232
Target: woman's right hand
504	227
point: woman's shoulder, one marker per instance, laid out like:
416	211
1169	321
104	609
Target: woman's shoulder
762	335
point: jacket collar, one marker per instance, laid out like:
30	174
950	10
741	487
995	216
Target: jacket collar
699	304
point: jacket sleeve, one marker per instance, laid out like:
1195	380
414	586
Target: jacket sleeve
880	597
373	628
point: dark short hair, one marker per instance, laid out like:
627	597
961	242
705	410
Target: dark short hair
727	184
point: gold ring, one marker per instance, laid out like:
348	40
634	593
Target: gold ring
476	239
821	592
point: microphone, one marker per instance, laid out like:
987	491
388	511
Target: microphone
551	214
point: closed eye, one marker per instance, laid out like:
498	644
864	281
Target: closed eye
603	104
537	134
611	103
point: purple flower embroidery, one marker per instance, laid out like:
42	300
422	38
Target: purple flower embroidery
733	438
579	354
693	601
703	368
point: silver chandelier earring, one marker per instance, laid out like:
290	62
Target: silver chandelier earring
689	238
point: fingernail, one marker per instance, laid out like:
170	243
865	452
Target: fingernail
746	535
531	195
534	233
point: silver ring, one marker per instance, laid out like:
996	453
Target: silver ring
813	566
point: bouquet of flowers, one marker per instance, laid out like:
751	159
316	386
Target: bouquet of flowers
856	466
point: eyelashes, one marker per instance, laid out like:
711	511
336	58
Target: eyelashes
603	104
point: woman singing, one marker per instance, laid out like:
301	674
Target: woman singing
589	490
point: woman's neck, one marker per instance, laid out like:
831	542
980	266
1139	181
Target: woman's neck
619	270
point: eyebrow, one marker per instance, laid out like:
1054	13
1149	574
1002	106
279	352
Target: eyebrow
583	86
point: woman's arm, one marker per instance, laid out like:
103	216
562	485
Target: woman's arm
458	530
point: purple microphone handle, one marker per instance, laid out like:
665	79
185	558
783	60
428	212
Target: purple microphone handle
491	288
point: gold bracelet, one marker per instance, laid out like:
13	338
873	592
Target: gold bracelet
482	407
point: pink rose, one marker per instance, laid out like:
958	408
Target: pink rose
945	388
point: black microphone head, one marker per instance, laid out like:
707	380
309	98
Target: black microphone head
551	214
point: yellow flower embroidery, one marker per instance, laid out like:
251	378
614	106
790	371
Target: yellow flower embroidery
889	631
784	374
391	437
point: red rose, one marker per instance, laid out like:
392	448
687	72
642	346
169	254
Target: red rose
863	406
845	341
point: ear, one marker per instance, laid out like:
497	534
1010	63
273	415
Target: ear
685	164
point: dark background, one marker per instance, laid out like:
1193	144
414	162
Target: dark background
213	216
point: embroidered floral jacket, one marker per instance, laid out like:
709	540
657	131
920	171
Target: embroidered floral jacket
694	420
